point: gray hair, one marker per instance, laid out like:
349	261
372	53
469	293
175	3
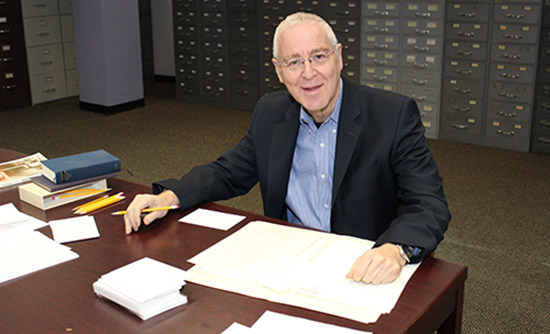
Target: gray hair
301	17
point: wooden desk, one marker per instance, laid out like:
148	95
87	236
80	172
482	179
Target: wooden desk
60	299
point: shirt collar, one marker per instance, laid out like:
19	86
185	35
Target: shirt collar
334	116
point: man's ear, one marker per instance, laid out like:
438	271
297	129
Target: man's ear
277	69
340	56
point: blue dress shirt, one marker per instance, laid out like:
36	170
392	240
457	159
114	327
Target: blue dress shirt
309	193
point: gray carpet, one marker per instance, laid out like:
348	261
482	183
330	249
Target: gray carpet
500	200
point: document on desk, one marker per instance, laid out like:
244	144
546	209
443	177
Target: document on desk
213	219
12	219
23	252
74	229
275	323
298	267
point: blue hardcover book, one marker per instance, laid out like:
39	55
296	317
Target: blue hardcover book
80	166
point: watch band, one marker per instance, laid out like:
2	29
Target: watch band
403	254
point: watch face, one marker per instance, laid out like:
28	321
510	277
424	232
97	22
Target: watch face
408	250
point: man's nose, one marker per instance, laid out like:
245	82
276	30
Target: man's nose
309	70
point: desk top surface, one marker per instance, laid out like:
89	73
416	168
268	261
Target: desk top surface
60	299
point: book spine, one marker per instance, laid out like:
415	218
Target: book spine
76	174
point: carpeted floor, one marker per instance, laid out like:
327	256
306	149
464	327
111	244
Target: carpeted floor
500	200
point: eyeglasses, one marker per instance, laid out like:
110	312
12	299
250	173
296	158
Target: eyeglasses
318	59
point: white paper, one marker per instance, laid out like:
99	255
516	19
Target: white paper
276	323
298	267
236	328
146	287
24	252
213	219
74	229
12	219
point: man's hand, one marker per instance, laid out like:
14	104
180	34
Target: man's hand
378	265
132	220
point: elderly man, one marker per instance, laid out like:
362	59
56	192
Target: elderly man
328	154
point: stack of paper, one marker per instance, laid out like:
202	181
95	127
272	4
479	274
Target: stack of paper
146	287
23	252
298	267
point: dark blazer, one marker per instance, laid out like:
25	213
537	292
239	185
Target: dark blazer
386	186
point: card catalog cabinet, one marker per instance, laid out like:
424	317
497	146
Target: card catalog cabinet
49	38
14	84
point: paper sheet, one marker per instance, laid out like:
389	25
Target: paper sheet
12	219
298	267
74	229
24	252
213	219
272	323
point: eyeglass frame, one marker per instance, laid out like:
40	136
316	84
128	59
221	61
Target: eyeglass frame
302	61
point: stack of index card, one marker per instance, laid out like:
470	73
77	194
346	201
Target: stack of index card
146	287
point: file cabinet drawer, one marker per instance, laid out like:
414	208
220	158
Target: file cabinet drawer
521	34
542	124
188	61
186	17
452	123
421	61
380	58
343	9
423	44
517	13
243	33
465	69
244	48
427	28
381	10
45	59
468	12
428	109
512	73
422	10
380	85
510	92
465	106
508	130
379	42
32	8
420	77
421	94
518	112
48	87
471	89
214	34
215	63
466	50
521	54
541	142
42	31
468	31
214	5
380	26
379	74
542	107
214	19
240	61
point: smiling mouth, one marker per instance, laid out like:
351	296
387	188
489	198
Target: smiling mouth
311	89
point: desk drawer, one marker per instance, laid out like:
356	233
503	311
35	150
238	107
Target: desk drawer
48	87
42	31
45	59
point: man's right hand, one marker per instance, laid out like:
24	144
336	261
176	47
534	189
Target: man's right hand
133	219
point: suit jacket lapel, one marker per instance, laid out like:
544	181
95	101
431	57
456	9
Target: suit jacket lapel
281	153
348	134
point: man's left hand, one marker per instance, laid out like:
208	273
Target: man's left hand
378	265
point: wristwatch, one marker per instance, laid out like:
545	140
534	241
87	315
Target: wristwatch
406	252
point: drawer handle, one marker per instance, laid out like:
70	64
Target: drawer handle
4	31
507	56
462	14
509	76
381	29
544	140
43	34
419	98
466	34
379	13
418	14
512	16
419	82
343	12
49	91
46	63
380	78
460	126
464	109
380	62
545	106
506	133
510	36
6	60
421	49
421	32
469	72
380	46
2	3
464	53
9	87
463	91
508	95
507	114
417	65
545	123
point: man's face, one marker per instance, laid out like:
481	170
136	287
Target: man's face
315	87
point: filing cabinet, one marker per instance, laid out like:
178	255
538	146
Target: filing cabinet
49	38
540	132
14	83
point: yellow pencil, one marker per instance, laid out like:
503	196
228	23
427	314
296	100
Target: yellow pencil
161	208
88	203
100	204
81	193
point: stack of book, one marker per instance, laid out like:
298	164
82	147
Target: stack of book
146	287
70	178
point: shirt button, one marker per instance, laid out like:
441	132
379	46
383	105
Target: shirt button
323	176
322	144
326	206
